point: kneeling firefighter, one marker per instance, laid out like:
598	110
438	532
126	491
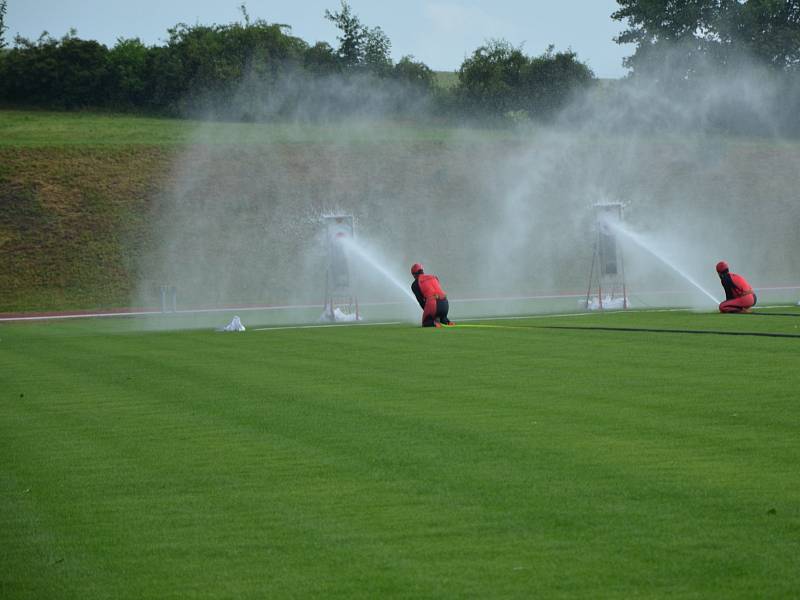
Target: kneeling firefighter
739	296
431	298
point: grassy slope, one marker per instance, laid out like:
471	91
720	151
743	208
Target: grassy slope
55	129
512	461
77	193
446	79
73	219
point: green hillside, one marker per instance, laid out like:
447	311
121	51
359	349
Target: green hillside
81	191
446	79
92	202
77	193
74	220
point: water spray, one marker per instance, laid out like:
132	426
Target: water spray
355	248
637	239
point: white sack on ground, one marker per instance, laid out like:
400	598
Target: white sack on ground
234	325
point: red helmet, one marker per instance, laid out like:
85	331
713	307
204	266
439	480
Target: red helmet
722	266
416	268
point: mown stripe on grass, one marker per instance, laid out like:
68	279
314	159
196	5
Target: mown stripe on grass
648	330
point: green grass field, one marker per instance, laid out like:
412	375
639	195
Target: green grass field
619	455
446	79
37	129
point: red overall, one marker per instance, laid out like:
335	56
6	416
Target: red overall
743	297
432	291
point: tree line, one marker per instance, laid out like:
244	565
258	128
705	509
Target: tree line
733	65
266	72
710	34
201	67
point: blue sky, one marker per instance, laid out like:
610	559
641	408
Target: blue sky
441	33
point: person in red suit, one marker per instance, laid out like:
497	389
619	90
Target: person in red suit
739	296
431	297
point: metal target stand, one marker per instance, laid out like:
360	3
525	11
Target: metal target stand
607	273
341	302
